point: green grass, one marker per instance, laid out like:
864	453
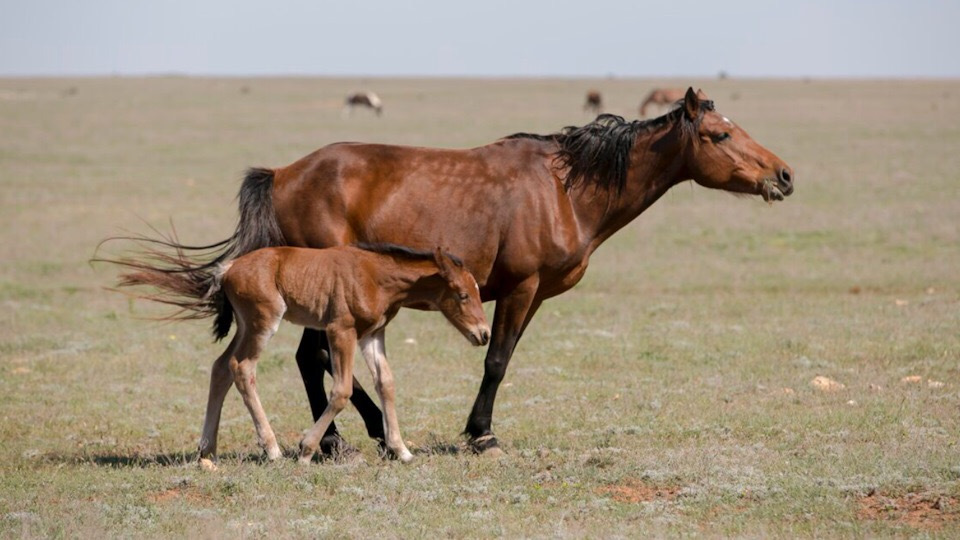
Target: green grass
668	394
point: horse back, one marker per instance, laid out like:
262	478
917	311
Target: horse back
500	207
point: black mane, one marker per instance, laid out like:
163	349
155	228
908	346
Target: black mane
403	252
599	152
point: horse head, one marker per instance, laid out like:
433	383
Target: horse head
721	155
460	299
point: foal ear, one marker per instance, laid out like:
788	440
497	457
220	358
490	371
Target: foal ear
691	104
444	264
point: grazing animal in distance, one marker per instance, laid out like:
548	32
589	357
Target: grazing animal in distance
350	292
594	102
668	98
363	99
530	210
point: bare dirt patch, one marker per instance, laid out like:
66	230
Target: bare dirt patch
178	492
919	510
638	491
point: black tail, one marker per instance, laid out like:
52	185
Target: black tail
258	226
192	282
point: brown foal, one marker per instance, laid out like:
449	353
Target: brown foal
352	293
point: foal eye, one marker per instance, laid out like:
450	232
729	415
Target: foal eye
721	137
464	297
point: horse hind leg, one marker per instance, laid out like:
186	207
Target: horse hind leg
243	364
374	352
220	381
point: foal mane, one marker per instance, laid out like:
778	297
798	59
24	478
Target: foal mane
598	153
404	252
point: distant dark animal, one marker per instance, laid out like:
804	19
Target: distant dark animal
526	212
351	293
594	102
363	99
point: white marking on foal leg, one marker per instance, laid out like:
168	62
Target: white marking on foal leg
373	347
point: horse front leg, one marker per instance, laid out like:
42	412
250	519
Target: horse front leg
313	358
343	344
374	352
510	318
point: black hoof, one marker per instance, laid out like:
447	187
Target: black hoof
335	448
485	445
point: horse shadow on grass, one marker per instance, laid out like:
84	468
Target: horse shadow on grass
144	461
435	446
138	460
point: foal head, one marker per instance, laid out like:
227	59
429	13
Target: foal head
459	299
720	154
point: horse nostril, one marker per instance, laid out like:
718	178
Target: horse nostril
484	337
785	176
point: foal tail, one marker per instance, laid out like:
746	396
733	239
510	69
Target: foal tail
188	276
180	281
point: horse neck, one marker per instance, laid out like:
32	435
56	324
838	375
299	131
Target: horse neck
656	165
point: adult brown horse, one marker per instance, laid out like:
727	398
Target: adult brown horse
661	97
525	212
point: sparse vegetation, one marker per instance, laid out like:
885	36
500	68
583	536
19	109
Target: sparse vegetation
670	393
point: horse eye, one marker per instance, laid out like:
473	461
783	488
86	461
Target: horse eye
464	296
721	137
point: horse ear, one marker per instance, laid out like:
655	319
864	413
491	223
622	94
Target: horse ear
691	104
443	263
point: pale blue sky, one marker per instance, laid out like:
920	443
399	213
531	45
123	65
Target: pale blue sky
756	38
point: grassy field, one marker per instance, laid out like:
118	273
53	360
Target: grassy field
669	394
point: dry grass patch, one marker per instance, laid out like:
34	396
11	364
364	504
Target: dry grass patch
182	491
684	358
635	491
929	511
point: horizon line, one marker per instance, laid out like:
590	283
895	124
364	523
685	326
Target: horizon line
613	77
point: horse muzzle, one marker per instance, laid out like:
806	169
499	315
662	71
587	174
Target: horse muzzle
778	187
480	336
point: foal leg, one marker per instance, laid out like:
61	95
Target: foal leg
220	381
342	346
313	357
374	352
243	364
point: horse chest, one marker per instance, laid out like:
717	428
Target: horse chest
562	279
